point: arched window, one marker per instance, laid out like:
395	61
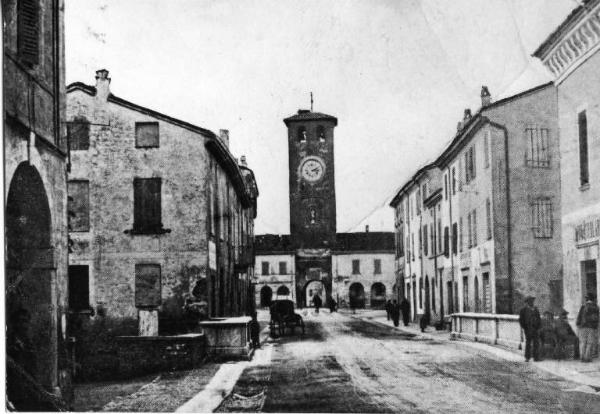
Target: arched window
301	134
321	133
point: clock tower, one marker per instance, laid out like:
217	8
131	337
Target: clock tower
312	201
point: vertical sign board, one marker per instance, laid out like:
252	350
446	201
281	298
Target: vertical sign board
212	255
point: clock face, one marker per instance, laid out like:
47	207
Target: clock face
312	169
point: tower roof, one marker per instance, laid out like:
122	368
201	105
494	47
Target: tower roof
306	115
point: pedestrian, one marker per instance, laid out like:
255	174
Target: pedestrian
424	321
405	307
530	321
255	331
317	302
564	337
395	313
388	308
332	305
353	304
587	322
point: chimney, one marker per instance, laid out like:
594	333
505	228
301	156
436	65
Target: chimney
486	98
224	135
467	116
367	228
102	84
243	162
459	126
303	111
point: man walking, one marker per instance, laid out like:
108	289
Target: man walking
388	309
530	321
395	313
317	302
405	308
587	322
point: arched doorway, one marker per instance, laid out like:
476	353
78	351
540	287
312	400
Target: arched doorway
377	295
356	295
266	296
313	288
282	291
31	338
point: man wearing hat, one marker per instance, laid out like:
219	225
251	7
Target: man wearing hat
587	322
530	321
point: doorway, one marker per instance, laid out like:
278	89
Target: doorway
313	288
590	280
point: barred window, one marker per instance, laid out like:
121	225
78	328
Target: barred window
537	155
541	218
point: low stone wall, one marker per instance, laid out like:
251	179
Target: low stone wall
228	338
489	328
139	355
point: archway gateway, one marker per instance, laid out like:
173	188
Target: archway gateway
311	289
356	295
378	295
30	269
266	296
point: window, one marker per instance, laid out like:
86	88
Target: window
146	135
465	293
584	173
445	186
147	205
453	180
470	164
470	230
425	247
439	236
407	248
446	242
264	268
460	174
474	220
488	218
454	238
355	267
460	236
79	288
321	133
377	266
78	134
432	235
541	218
301	134
537	155
78	205
147	285
283	268
486	149
28	31
418	202
412	244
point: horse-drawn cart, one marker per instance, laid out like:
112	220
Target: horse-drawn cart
283	316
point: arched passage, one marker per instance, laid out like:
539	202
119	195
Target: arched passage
283	291
356	295
31	339
377	295
266	295
313	288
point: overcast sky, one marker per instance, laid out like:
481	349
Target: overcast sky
396	73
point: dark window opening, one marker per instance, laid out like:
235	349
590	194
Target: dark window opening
302	134
78	134
265	268
79	288
377	266
454	238
584	173
355	267
321	133
282	268
446	242
147	205
146	135
78	205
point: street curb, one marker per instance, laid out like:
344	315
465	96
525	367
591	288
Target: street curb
499	353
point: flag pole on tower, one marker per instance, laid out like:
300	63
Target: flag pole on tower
311	102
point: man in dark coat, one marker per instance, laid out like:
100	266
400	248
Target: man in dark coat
588	321
405	307
395	313
530	321
317	302
424	321
388	308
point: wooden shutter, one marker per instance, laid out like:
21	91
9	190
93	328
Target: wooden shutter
28	28
583	148
147	204
147	285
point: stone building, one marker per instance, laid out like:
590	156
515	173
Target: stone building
160	215
35	155
312	249
571	54
496	236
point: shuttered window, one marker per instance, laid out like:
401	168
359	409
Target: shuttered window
355	267
147	285
584	173
454	238
147	205
28	31
265	268
78	205
78	133
446	242
377	266
282	268
146	135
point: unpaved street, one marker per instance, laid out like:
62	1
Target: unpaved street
343	364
